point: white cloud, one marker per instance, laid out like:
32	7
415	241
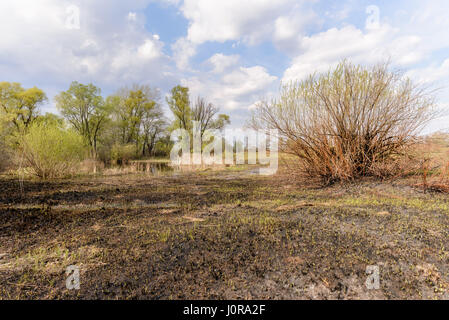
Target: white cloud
250	20
324	50
111	47
236	90
431	74
183	50
221	62
132	16
246	81
111	42
427	20
150	49
289	29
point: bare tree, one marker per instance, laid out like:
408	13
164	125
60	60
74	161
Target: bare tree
204	114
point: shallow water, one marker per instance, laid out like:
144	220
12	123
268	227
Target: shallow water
154	168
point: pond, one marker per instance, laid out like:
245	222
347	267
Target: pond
153	168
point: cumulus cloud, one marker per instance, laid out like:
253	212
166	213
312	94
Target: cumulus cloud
183	50
434	73
324	50
99	41
43	43
236	90
221	62
251	21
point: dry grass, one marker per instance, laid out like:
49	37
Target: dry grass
434	165
221	235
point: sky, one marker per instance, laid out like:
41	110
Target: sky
234	53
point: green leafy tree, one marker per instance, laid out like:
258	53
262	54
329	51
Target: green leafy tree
179	103
50	118
19	106
221	122
204	113
135	111
85	109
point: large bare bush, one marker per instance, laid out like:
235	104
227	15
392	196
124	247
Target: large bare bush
348	122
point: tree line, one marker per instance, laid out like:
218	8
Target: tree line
127	124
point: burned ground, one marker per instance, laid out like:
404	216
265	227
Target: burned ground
221	235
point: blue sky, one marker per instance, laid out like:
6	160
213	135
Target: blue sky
234	53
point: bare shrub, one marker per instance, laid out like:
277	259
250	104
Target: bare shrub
346	123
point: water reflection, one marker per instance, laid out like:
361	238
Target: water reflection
153	168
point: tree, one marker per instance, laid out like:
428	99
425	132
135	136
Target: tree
179	103
221	122
204	114
84	108
345	123
19	106
153	124
50	119
134	112
5	155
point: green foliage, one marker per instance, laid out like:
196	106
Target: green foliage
163	147
84	108
137	118
179	103
222	121
50	119
52	151
5	154
129	124
130	106
201	117
121	154
18	108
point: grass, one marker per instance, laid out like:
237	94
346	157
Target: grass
221	234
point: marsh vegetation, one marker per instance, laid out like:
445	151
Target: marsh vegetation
357	186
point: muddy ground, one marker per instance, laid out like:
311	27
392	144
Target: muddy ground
221	235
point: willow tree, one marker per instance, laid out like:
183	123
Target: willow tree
19	107
179	104
134	112
344	123
84	108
